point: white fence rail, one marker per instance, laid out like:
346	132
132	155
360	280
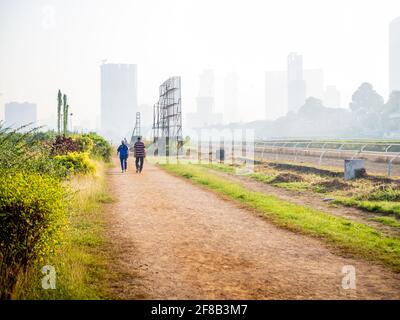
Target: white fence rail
380	155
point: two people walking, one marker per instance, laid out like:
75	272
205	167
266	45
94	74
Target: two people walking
139	152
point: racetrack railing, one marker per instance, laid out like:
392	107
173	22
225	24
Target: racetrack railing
380	156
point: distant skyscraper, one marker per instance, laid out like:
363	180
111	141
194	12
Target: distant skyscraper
118	100
205	116
231	98
314	79
207	84
296	83
394	55
275	94
19	114
331	97
206	97
286	91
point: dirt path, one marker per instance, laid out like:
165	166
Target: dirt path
175	240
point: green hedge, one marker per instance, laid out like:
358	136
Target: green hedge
85	143
76	163
32	214
33	195
101	148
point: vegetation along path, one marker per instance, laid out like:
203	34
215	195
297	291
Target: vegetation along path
174	239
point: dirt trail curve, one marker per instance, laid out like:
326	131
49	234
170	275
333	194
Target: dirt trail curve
174	240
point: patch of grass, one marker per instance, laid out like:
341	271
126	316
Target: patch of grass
104	197
294	186
388	221
80	261
260	177
387	207
220	167
345	234
330	185
382	193
286	177
361	193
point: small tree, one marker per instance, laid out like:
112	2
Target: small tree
312	108
391	112
366	106
366	99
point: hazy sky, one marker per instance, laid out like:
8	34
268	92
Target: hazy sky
46	45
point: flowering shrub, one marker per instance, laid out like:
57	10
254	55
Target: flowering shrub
32	214
76	163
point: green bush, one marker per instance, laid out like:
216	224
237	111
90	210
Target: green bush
32	214
24	151
76	163
101	148
85	144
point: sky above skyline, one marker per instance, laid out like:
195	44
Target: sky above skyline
47	45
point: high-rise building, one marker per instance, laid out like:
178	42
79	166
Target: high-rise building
296	82
275	94
207	83
286	91
231	98
314	79
118	100
277	91
331	97
20	114
205	115
394	55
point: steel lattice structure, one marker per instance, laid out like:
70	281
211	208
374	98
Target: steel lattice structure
167	116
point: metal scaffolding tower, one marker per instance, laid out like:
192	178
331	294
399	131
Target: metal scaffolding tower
167	117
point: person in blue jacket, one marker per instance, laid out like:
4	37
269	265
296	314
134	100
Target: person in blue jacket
123	152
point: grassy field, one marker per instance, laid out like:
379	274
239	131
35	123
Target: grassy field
81	260
346	235
366	194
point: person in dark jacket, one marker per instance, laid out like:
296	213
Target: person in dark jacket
123	152
139	150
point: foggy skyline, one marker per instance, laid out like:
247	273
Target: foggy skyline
17	114
394	55
118	99
51	45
